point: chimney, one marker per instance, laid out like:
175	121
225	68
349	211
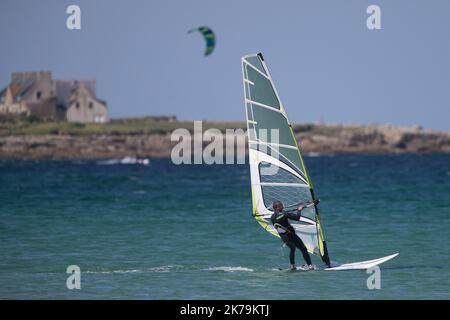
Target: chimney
24	76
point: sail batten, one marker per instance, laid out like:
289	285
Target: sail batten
277	168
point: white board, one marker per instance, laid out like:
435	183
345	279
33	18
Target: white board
361	265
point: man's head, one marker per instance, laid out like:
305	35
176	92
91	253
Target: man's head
277	206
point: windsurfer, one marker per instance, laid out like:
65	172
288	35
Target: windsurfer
280	220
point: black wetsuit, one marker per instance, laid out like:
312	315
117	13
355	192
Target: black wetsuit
280	220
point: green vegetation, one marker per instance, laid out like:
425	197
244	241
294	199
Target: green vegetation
326	129
23	125
20	125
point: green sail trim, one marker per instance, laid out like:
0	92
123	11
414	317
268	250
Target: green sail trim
260	219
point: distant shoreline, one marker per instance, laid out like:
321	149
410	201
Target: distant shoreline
147	137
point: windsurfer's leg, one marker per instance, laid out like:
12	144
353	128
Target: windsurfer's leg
292	252
299	244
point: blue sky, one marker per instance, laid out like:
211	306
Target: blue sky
327	65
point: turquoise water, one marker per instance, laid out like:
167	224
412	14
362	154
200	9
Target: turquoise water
186	232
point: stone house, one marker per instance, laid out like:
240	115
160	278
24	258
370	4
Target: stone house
37	94
80	101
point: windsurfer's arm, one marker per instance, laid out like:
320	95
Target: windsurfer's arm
315	202
272	218
294	215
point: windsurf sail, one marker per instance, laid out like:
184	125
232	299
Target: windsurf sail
277	168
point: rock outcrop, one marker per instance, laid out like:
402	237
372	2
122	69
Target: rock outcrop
322	139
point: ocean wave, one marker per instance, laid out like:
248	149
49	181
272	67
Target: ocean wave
114	271
313	154
230	269
167	268
126	160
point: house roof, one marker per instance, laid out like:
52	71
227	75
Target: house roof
18	88
66	88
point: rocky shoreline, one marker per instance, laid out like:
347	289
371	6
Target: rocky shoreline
315	139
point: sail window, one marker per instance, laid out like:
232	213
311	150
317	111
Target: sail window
262	90
256	63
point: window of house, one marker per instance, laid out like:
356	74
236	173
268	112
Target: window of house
38	95
77	105
91	105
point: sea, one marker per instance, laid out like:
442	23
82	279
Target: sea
155	230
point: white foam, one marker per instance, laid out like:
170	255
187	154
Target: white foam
230	269
160	269
313	154
153	269
126	160
114	271
167	268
